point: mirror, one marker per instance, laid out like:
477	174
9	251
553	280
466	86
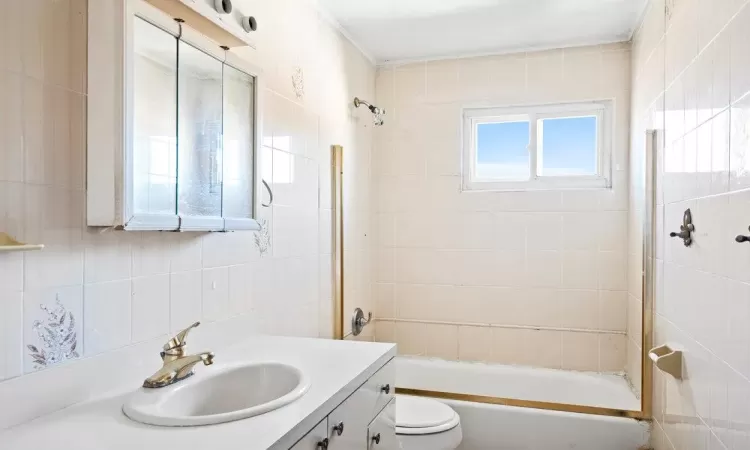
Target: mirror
155	121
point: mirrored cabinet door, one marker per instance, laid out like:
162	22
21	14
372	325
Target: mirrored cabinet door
176	120
154	120
200	133
239	105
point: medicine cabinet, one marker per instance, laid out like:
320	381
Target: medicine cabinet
173	125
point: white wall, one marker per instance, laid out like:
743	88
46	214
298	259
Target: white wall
126	288
533	278
691	66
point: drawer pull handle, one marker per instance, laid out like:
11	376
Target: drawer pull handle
376	439
339	428
742	239
323	445
386	389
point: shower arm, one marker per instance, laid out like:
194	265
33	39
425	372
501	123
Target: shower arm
377	112
373	109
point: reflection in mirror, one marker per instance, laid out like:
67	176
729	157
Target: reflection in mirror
154	122
238	143
200	130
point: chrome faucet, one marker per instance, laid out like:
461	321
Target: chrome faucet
177	366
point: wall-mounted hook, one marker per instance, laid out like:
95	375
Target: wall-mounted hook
359	321
742	238
686	229
270	194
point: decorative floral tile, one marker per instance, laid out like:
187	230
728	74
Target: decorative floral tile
298	83
53	331
263	238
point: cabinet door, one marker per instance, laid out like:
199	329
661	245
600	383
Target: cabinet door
200	145
154	121
347	424
238	200
381	434
314	440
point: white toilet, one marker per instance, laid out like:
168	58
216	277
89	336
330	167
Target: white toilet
426	424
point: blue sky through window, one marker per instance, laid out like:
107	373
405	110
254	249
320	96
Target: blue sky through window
568	146
502	150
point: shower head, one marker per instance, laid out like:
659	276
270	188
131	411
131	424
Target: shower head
376	112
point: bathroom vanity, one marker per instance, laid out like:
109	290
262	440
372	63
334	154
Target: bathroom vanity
349	404
364	420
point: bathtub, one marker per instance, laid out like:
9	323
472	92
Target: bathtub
501	427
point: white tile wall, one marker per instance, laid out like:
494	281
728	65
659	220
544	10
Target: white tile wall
11	334
526	266
106	316
126	288
691	67
150	307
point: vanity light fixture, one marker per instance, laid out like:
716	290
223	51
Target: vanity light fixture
249	24
223	6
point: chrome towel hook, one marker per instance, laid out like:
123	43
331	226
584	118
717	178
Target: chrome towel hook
270	194
686	229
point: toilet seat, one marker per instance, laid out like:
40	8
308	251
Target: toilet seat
421	416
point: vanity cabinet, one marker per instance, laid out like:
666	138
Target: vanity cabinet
381	434
364	421
316	436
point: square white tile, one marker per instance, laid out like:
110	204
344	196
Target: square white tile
150	307
106	316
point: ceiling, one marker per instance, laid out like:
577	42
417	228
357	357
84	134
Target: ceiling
395	30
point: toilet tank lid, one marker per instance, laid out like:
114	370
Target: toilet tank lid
418	412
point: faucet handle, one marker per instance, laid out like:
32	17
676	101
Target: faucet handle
179	339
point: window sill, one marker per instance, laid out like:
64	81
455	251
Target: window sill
560	184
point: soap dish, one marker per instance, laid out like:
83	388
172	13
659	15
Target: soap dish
8	244
667	360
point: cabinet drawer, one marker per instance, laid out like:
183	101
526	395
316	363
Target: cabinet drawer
347	424
315	438
381	434
380	389
358	411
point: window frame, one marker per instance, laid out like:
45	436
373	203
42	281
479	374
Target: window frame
474	116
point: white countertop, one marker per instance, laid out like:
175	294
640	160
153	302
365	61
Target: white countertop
336	369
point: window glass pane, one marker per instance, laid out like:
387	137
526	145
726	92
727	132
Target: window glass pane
238	143
200	128
154	120
502	151
567	146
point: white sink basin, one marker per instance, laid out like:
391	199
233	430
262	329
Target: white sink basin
219	394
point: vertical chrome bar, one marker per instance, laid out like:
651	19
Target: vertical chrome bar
649	236
337	192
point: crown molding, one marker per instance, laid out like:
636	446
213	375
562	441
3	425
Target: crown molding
509	51
336	25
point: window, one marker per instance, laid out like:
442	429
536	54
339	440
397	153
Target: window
537	147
